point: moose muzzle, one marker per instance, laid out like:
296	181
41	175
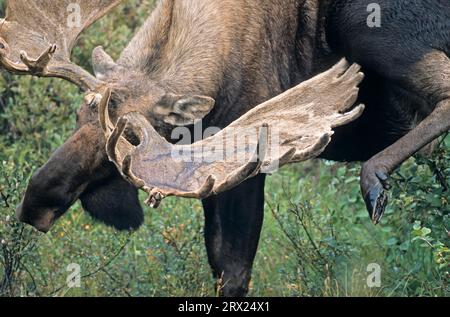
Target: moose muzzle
43	222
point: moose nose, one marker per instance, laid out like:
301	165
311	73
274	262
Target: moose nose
43	224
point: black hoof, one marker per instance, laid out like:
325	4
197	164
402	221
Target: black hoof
376	197
376	201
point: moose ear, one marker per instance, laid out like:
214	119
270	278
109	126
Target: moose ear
179	110
102	63
114	202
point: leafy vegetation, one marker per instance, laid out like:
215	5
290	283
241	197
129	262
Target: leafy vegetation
317	238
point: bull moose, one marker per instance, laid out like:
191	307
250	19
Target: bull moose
222	62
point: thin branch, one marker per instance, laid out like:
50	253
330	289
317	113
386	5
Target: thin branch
101	268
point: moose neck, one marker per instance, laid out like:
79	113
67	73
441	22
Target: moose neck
181	47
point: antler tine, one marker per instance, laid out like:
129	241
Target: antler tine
114	138
103	112
252	168
126	171
28	66
314	150
207	189
37	37
39	65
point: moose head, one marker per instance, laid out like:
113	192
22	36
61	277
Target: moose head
120	142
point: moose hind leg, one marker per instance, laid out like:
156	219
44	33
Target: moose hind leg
430	79
233	222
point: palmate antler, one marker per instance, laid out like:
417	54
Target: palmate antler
37	37
292	127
